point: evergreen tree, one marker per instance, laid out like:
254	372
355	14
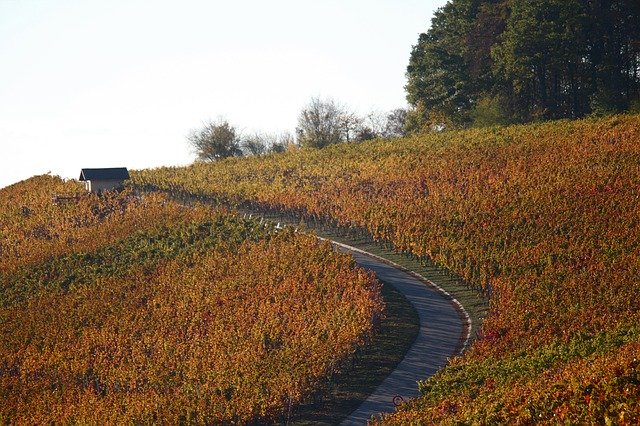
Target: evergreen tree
498	61
438	73
541	55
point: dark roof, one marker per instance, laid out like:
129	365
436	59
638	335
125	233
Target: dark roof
114	173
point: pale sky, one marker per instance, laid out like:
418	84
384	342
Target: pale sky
122	82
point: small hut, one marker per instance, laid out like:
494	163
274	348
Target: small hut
96	180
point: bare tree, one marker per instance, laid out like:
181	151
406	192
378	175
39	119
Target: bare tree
264	143
254	144
372	126
350	125
395	124
319	123
379	125
281	142
366	133
216	140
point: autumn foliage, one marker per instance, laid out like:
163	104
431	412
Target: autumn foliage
124	309
543	218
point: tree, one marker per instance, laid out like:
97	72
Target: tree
350	125
379	125
395	124
613	37
216	140
264	143
281	142
254	144
486	62
320	123
365	133
541	54
438	79
372	126
325	122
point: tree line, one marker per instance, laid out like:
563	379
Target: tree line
321	122
481	63
486	62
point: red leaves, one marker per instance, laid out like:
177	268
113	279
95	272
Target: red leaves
230	333
548	220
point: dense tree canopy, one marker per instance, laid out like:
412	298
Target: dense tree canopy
498	61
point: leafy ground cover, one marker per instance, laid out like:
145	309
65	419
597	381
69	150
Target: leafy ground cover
118	308
541	218
370	365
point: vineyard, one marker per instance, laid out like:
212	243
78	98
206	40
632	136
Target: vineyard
126	309
544	219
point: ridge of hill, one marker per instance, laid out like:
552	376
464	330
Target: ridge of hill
541	218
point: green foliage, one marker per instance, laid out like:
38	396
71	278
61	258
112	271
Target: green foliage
540	54
540	59
437	68
489	111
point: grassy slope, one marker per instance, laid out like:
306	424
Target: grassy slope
473	301
122	309
542	217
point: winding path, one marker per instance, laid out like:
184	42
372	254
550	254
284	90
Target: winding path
444	331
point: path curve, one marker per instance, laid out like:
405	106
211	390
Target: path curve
444	332
445	329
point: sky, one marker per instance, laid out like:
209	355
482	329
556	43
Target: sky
118	83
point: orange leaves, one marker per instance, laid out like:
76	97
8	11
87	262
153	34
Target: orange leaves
544	215
522	202
183	313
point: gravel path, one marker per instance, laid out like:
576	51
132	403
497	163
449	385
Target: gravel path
444	331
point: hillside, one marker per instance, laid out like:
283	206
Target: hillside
126	309
543	219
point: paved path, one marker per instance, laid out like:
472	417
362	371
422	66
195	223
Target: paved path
443	332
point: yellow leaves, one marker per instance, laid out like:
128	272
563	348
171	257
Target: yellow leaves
223	334
545	215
